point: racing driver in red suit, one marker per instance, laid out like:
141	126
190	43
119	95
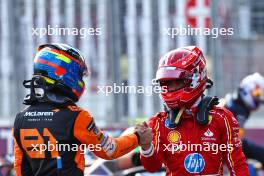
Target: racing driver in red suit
193	136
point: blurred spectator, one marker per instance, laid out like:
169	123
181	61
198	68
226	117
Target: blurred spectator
246	99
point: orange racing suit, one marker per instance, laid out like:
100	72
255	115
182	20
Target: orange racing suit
67	127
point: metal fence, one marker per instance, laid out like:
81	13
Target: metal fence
122	41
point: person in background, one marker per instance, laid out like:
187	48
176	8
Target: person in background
246	99
49	134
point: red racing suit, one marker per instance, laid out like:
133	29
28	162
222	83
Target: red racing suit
193	149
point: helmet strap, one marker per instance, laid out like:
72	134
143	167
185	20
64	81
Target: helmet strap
204	108
32	85
174	116
178	117
38	83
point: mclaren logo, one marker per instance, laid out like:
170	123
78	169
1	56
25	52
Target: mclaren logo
35	113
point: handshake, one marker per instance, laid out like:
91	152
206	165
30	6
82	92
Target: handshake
145	135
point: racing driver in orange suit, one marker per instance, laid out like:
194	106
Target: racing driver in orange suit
49	134
193	136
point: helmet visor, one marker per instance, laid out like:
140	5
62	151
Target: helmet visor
166	73
258	95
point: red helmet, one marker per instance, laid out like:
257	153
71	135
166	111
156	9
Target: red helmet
183	72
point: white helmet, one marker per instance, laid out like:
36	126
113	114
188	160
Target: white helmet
252	90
